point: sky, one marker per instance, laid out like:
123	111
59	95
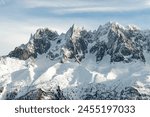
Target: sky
20	18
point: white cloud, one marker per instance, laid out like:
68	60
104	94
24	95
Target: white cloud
147	2
71	6
93	9
55	3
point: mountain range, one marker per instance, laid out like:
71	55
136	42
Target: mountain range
110	63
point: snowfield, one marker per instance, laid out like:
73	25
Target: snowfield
22	76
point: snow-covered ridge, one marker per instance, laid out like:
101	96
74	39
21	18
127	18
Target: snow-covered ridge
109	63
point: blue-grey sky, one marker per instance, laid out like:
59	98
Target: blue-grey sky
20	18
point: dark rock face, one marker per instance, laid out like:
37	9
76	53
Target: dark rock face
39	94
32	95
130	93
45	34
117	58
11	95
22	54
42	40
125	51
77	49
41	46
52	56
1	89
100	50
77	43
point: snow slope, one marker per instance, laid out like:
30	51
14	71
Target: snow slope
20	76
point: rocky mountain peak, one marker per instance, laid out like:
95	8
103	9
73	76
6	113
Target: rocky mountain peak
112	39
39	43
73	33
45	34
113	25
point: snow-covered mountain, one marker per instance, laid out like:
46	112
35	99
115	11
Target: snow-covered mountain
111	62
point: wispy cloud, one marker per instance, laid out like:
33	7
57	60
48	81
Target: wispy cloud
147	3
73	6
